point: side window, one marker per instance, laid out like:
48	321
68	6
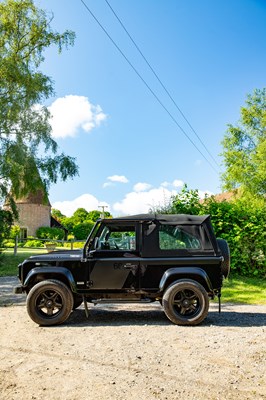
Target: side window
172	237
117	238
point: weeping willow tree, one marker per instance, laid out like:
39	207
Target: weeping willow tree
25	131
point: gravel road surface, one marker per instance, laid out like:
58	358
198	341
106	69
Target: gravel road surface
131	352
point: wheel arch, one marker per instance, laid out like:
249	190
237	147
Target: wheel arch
193	273
39	274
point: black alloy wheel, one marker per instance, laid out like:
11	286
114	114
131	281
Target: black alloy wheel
49	302
186	302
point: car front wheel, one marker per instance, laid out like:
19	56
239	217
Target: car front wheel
49	302
186	302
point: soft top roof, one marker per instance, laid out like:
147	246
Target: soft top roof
176	218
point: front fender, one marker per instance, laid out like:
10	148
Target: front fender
51	272
194	273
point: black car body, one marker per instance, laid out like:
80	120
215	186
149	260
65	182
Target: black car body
174	259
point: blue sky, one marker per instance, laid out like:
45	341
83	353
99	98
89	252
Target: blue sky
131	154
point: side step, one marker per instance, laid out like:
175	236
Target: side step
99	301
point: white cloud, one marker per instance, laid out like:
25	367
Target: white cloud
107	184
142	202
118	178
87	201
143	198
71	113
165	184
135	202
141	187
178	183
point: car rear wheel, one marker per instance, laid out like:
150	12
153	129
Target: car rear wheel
49	302
186	302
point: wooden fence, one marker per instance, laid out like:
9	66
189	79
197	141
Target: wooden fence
49	244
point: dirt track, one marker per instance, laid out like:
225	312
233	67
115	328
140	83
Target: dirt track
132	352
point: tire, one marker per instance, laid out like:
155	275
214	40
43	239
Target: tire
49	302
186	302
225	251
77	301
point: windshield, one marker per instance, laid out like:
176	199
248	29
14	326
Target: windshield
117	238
89	245
112	237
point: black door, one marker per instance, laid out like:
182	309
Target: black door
114	264
113	272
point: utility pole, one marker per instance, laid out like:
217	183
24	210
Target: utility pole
103	211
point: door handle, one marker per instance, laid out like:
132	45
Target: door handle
129	266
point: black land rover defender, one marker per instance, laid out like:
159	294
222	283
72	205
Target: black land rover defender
174	259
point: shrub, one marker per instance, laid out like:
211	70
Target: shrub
45	232
33	243
8	243
243	226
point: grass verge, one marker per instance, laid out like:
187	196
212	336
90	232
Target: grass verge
236	289
240	289
9	262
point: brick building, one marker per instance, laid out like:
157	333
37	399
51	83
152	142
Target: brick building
34	211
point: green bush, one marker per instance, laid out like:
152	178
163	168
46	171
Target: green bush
34	243
8	243
74	245
82	230
45	232
243	226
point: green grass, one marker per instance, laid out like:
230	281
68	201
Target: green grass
9	262
239	289
236	289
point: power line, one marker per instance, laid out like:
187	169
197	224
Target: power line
159	80
146	84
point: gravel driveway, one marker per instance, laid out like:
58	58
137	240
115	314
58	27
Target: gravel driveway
131	351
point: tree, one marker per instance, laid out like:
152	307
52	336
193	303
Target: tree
82	229
245	149
186	202
25	131
95	214
6	220
81	222
56	214
80	215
